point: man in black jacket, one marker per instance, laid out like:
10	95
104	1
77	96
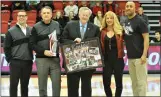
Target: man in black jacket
19	55
47	62
78	31
144	17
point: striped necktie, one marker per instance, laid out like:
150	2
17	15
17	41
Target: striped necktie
82	31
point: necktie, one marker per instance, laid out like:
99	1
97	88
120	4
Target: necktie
82	31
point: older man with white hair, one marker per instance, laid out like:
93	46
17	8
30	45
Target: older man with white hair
76	31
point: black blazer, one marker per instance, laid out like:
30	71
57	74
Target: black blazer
72	31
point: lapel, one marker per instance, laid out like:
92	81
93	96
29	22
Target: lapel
27	31
20	31
87	31
52	27
78	29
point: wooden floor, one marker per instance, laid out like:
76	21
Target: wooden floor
97	86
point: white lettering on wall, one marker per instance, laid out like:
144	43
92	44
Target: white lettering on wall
153	58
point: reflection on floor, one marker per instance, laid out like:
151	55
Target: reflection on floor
97	86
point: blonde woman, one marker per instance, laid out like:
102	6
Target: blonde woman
112	47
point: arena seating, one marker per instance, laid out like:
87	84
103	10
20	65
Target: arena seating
5	15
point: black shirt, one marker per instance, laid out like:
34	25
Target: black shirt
110	44
134	28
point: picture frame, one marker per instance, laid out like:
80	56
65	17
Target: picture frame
83	56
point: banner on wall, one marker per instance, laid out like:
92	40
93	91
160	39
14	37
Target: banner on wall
153	61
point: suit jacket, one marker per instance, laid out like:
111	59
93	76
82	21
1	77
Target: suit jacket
72	31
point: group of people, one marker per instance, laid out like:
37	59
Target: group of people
21	40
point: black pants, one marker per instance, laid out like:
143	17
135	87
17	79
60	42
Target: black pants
73	83
113	65
20	69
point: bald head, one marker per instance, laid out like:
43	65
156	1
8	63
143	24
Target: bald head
130	3
130	8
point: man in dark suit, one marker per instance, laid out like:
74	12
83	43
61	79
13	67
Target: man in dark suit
77	31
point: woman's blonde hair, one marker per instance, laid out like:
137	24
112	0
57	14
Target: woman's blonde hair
116	24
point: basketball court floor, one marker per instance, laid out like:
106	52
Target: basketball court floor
97	86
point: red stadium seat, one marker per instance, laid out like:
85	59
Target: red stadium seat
58	5
31	23
13	22
14	14
4	27
32	15
121	4
5	15
65	3
137	5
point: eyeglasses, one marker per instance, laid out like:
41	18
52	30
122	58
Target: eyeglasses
21	15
